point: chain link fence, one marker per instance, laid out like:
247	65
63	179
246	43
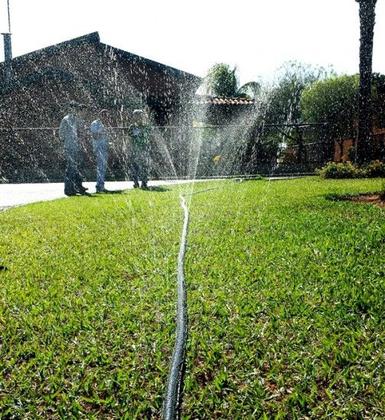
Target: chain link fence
36	154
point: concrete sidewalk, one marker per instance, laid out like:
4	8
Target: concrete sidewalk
18	194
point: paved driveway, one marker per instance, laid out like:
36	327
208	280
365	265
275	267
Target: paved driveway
18	194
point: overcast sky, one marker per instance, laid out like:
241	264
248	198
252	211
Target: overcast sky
255	35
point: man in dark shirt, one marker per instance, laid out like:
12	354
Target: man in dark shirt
139	132
70	132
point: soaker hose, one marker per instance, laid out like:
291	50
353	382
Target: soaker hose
173	397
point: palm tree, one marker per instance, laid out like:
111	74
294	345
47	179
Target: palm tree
367	21
222	81
250	89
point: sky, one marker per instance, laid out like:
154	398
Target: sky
256	36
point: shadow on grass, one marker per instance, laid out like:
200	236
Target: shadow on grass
337	197
156	189
111	192
349	197
248	179
106	192
122	192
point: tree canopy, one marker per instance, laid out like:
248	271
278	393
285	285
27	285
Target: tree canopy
284	98
222	81
334	101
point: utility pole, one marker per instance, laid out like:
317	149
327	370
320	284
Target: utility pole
9	17
8	51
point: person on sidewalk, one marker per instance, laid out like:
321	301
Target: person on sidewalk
139	132
100	147
70	133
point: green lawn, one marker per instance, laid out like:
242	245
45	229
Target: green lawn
286	293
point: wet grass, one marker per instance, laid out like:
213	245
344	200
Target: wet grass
86	305
286	303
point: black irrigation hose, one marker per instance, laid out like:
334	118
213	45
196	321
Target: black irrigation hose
173	397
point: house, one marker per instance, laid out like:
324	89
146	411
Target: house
91	72
224	111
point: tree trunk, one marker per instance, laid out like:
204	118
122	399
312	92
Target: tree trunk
364	137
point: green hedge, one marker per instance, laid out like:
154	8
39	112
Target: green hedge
349	170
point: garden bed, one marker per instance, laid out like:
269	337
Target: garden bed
376	199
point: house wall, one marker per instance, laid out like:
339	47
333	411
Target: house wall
342	148
93	74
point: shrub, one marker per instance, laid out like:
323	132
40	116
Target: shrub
340	170
349	170
375	169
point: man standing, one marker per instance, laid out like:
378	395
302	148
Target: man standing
69	134
100	147
139	133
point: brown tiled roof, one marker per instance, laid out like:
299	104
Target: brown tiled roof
215	100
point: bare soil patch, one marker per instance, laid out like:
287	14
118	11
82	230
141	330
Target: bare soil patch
376	199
